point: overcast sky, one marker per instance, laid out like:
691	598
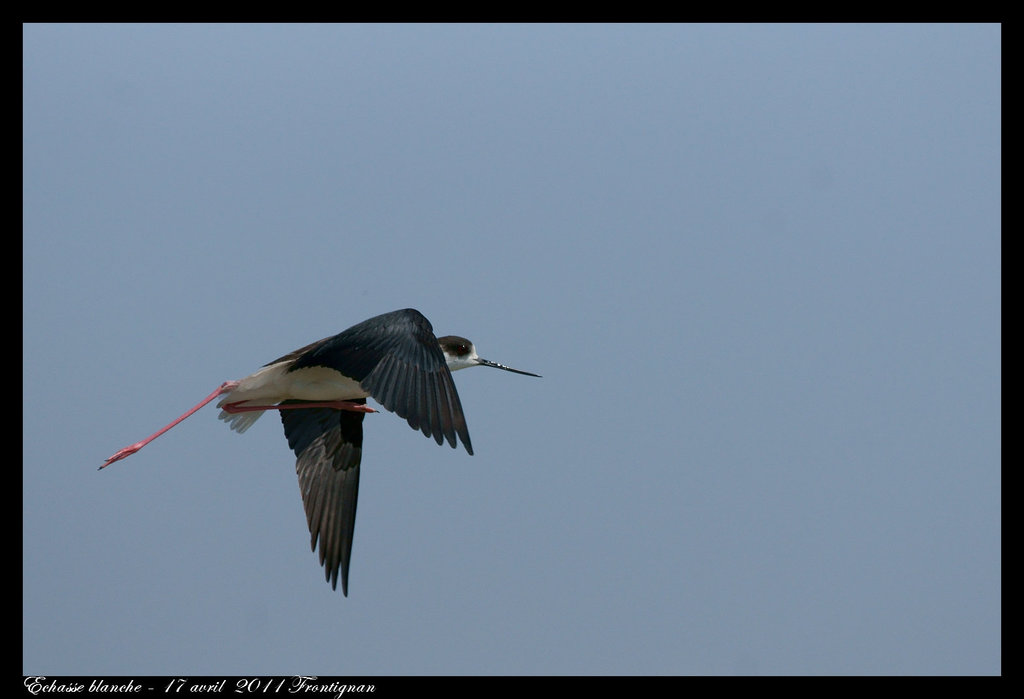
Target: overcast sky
757	266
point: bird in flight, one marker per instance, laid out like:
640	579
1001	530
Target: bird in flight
321	391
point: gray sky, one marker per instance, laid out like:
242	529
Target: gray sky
757	266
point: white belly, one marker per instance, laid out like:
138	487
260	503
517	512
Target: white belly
273	384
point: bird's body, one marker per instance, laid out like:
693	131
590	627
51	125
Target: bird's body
275	383
321	391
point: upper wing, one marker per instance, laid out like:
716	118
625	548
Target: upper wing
398	361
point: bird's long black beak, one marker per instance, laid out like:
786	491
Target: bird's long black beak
487	362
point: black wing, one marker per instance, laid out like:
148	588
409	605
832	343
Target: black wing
398	361
329	446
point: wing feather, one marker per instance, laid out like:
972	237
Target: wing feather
328	446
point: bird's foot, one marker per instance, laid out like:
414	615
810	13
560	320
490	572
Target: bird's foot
122	453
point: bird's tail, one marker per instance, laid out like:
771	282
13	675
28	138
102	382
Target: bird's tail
240	422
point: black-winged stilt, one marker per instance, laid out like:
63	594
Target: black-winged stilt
321	391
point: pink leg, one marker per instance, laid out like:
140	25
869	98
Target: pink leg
227	387
337	404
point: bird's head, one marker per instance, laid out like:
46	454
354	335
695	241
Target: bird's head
460	353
